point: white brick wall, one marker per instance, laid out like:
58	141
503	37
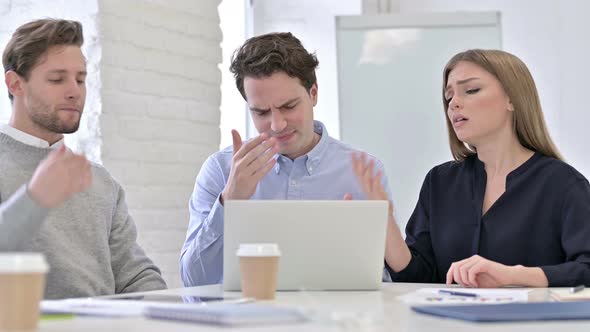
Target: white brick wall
160	111
152	106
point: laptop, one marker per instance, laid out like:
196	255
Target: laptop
325	245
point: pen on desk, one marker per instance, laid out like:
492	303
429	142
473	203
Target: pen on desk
450	292
576	289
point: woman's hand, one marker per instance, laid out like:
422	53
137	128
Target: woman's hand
397	253
368	180
477	271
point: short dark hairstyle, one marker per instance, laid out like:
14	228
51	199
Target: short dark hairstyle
264	55
31	41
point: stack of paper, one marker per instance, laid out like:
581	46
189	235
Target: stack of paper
93	307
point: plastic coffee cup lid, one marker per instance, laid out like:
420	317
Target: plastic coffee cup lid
23	262
258	250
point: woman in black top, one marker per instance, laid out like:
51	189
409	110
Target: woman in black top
508	210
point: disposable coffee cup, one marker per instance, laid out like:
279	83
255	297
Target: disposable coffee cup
259	266
22	283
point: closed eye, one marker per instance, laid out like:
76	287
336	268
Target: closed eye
472	91
263	113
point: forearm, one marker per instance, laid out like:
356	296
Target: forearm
132	269
397	253
20	219
569	274
202	266
202	253
144	275
528	276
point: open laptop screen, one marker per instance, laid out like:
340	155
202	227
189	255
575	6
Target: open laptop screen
325	245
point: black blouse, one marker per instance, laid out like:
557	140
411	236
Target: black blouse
541	220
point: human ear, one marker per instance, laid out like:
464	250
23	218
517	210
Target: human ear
313	92
13	83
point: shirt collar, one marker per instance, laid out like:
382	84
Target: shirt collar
28	139
314	156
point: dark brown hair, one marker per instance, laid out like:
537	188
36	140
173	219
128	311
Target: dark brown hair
31	41
519	86
264	55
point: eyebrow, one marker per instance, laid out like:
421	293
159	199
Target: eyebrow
63	71
285	104
462	82
259	110
289	102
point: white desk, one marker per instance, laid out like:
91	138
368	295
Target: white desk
337	311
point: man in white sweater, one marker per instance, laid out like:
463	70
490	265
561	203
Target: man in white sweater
52	200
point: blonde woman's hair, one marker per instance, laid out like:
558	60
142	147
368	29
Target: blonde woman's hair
518	83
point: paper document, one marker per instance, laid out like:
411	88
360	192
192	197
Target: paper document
93	307
233	314
482	296
125	308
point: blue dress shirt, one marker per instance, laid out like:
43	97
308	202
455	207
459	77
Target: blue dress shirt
325	173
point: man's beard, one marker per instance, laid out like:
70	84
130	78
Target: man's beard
51	122
42	116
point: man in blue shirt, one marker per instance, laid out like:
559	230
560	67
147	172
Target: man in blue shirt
292	158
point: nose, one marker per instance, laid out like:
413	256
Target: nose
277	121
74	90
455	103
